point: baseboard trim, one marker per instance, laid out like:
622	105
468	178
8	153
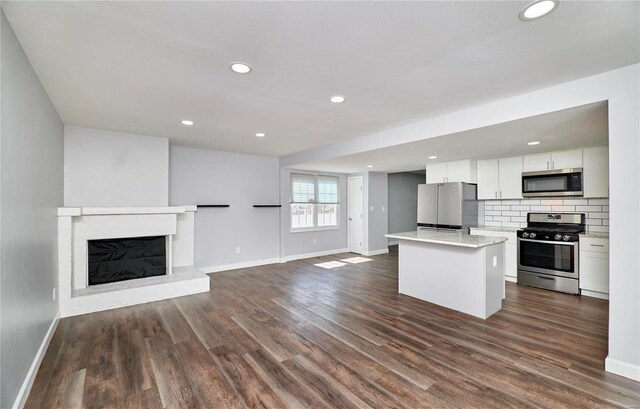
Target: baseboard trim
594	294
511	279
622	368
235	266
315	254
23	394
376	252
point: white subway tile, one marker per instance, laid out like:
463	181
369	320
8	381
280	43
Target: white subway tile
605	222
501	207
488	218
519	219
563	208
520	207
588	208
488	207
511	202
598	215
594	222
599	202
601	229
510	224
492	202
551	202
605	208
575	202
541	208
524	213
493	213
510	213
530	202
501	218
493	224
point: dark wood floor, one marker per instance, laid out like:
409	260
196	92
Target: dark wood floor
295	335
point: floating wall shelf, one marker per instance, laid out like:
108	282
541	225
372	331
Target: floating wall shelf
213	205
275	205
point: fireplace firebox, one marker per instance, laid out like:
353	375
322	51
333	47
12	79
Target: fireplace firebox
112	260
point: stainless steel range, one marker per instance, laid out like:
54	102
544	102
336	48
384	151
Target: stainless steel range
548	251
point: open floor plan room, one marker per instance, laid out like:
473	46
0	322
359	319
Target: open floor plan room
319	204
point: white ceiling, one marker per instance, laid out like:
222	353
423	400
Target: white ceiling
141	67
567	129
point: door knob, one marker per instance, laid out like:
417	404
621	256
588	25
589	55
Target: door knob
350	219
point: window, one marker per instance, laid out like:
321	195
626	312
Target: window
314	201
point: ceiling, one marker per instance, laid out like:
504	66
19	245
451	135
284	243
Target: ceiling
578	127
141	67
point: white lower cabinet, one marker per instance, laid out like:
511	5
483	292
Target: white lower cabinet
510	251
594	267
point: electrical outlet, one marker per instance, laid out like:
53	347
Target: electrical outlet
383	208
237	250
495	261
53	296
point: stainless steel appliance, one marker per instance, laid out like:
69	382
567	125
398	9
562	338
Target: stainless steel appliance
560	182
548	251
447	206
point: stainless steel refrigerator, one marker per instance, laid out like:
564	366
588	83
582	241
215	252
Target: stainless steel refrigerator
448	206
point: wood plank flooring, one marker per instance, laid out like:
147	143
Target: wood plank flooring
296	335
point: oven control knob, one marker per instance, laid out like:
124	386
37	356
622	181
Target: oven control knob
558	237
566	237
532	235
525	235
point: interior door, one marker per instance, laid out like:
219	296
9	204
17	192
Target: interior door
450	204
355	224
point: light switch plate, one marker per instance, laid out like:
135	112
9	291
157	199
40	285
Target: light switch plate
495	261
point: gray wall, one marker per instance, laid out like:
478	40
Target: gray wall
376	199
403	201
299	243
208	177
103	168
31	172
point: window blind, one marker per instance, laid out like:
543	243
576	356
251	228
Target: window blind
328	189
303	188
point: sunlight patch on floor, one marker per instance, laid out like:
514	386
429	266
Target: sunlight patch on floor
356	260
330	264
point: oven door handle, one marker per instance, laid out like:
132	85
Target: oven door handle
562	243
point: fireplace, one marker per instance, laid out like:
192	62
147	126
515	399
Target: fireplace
111	260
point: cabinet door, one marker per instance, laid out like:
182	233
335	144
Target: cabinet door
594	271
540	161
436	172
510	170
488	179
595	172
566	159
461	171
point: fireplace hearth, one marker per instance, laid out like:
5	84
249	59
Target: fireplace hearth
112	260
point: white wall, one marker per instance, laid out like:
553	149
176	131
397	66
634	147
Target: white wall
403	201
620	88
200	176
105	168
31	169
299	244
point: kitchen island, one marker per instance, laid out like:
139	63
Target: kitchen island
452	269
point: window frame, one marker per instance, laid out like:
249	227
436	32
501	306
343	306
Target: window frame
315	203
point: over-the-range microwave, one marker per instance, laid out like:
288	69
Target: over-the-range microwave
550	183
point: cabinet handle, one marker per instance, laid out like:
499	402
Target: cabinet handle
553	164
548	168
501	194
596	245
496	193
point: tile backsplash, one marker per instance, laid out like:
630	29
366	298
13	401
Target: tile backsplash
513	213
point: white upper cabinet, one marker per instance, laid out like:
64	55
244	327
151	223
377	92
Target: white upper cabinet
566	159
456	171
500	178
510	170
436	172
553	160
488	179
595	172
533	163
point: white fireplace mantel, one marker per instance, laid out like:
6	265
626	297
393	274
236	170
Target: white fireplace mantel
78	225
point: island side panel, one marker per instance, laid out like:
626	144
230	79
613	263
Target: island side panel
495	284
450	276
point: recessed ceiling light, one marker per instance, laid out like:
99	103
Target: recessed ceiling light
533	143
240	67
538	9
261	134
187	122
336	99
369	166
433	157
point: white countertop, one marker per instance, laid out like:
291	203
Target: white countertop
496	228
447	237
595	235
80	211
